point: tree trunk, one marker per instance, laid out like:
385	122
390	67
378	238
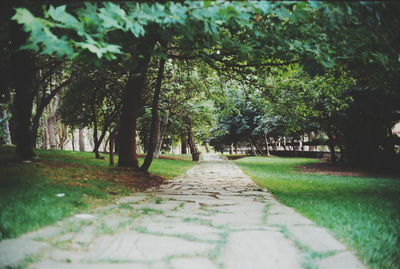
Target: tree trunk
183	144
161	134
95	137
155	131
52	121
231	149
192	145
266	144
131	105
105	144
89	138
62	136
206	147
252	148
45	136
4	125
22	78
111	153
236	147
44	102
81	139
331	143
284	144
311	137
73	140
258	148
112	137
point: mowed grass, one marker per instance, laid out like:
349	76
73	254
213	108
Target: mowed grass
28	192
362	212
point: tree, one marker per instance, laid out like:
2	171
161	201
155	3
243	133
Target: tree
187	24
93	100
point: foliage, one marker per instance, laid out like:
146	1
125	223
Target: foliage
94	96
93	29
362	212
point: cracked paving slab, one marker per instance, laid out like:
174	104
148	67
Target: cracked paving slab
213	216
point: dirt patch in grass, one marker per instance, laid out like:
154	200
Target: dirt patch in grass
75	174
164	157
326	168
236	156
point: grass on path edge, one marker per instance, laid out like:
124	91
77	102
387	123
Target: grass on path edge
362	212
61	183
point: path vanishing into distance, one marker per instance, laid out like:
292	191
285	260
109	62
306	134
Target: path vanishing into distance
213	216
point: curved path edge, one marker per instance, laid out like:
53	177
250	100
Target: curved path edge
213	216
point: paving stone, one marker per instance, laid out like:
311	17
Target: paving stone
135	198
115	222
316	238
192	263
199	231
44	233
341	260
59	265
63	255
282	215
14	251
85	236
260	249
66	237
143	247
236	220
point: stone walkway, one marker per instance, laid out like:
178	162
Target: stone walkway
213	216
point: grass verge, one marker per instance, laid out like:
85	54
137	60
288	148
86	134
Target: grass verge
362	212
61	183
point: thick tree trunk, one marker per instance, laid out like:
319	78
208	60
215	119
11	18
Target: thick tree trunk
96	148
22	71
183	144
81	139
161	134
131	105
231	149
155	121
236	148
192	145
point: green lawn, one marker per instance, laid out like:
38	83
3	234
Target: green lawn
362	212
28	192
